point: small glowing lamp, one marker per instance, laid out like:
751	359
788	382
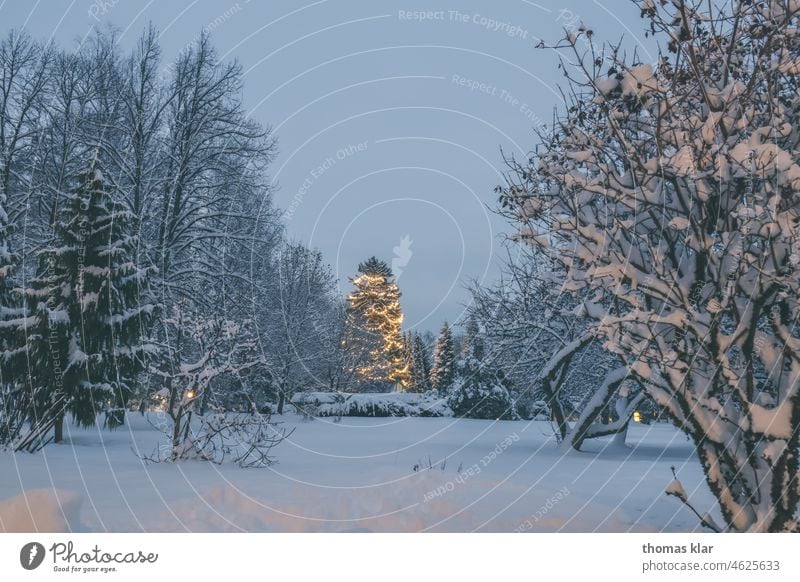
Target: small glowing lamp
190	395
637	416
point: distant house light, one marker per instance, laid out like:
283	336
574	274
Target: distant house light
637	416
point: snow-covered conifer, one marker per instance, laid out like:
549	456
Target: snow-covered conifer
444	361
419	367
375	313
12	396
89	305
480	388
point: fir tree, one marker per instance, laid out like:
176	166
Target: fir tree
443	372
115	305
8	309
47	344
375	318
473	340
88	311
480	388
419	369
12	397
422	364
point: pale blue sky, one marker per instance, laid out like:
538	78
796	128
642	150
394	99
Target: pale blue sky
390	116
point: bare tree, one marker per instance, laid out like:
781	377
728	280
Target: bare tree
24	84
539	335
181	156
341	356
214	156
301	294
201	350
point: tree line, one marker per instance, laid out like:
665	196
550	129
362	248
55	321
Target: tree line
142	261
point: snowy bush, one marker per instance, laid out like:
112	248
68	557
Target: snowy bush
371	404
199	423
480	391
538	410
243	438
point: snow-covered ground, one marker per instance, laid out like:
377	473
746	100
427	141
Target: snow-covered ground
358	475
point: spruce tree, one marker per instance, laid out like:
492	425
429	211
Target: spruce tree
9	311
444	360
12	397
114	300
422	363
88	310
473	341
47	345
376	318
480	389
419	370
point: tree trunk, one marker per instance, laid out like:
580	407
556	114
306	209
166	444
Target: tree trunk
558	418
204	403
176	436
552	377
281	400
556	410
58	428
597	404
619	438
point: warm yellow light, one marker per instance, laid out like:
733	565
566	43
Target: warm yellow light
190	394
637	416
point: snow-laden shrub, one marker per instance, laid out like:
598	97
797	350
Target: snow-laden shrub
539	410
243	438
370	404
481	391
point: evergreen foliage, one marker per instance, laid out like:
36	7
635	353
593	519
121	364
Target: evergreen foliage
444	360
375	318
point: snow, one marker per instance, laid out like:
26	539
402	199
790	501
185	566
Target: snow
676	489
358	475
371	404
638	81
679	223
581	156
606	86
774	423
58	316
41	510
682	163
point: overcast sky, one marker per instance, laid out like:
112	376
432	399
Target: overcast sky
390	116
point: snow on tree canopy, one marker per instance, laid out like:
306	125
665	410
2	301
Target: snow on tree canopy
444	361
376	318
87	307
671	192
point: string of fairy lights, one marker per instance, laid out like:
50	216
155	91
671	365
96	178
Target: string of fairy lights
375	321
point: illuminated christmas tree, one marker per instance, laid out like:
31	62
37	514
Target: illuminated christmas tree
375	319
